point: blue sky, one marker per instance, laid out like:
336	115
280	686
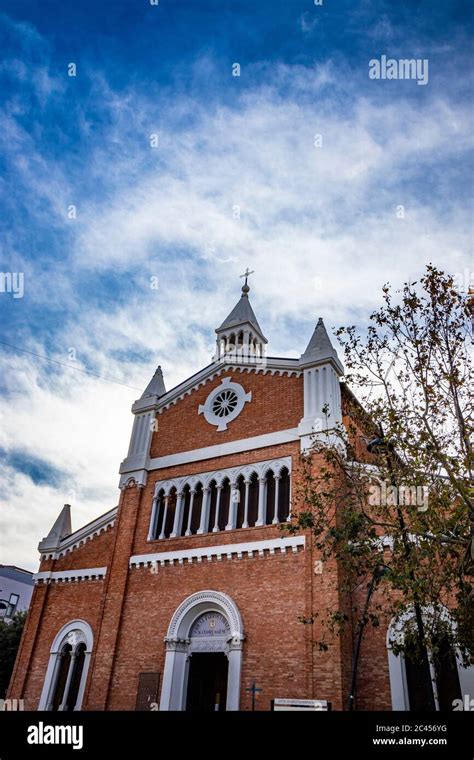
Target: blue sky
320	225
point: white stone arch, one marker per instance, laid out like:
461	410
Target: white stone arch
179	648
221	476
396	662
193	482
75	632
279	466
250	471
208	478
269	468
162	485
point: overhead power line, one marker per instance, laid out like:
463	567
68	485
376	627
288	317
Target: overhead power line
69	366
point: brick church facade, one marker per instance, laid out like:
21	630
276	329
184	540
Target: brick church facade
188	592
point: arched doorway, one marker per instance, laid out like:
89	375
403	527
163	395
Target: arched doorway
203	654
208	663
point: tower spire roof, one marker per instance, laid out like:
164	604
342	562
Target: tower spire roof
156	386
60	529
320	348
242	313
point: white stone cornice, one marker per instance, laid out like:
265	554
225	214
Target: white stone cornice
224	449
79	574
247	549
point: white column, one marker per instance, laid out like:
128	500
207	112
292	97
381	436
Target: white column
218	503
277	490
232	507
190	515
165	513
234	671
82	684
261	502
172	690
178	516
203	527
305	394
245	524
318	398
152	531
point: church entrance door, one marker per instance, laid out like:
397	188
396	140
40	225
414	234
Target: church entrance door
203	654
207	682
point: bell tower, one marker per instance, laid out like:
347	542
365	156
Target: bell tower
240	337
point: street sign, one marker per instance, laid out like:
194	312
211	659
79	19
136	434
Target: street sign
319	705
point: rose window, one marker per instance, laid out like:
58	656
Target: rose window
224	403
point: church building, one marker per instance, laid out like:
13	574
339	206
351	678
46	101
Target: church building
189	595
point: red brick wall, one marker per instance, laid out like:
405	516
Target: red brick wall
94	553
52	607
114	598
277	404
271	595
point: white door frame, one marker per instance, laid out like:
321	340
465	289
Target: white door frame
179	649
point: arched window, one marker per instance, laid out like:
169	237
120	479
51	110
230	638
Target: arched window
196	510
240	511
212	505
224	505
64	665
252	514
407	678
186	505
170	512
66	674
269	497
447	676
245	497
80	657
284	495
157	528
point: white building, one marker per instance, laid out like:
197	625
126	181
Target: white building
16	588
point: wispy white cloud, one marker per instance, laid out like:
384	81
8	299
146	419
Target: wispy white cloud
318	224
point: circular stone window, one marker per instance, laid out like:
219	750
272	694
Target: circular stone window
224	403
